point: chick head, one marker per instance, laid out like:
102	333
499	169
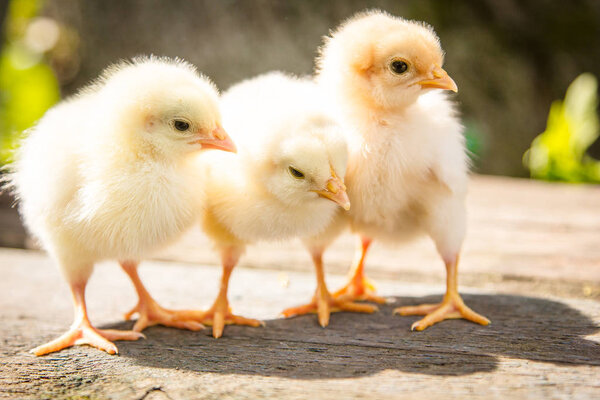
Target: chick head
383	61
308	166
164	107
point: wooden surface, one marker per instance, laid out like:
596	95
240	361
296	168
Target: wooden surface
531	264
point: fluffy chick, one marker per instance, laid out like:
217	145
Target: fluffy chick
286	181
407	169
107	174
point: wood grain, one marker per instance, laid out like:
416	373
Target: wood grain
531	264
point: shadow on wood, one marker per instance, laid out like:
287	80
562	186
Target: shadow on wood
357	345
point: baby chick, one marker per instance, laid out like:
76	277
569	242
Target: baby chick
107	175
407	169
286	181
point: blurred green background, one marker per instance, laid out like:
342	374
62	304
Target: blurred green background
513	62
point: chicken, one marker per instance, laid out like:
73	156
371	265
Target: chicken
108	174
407	168
285	182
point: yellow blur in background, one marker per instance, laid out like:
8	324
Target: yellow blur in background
560	152
28	84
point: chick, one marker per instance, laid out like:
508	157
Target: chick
286	181
107	174
407	168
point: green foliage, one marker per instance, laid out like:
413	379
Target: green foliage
28	85
559	153
473	140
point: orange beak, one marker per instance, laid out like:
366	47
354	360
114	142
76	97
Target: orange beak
441	80
335	190
219	140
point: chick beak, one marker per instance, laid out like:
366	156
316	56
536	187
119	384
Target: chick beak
335	190
441	80
218	140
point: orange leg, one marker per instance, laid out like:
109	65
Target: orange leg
323	303
451	307
359	287
150	312
219	314
82	331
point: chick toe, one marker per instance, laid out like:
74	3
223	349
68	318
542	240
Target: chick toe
151	313
86	334
359	289
452	307
218	318
323	304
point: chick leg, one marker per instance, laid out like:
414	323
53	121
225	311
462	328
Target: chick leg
150	312
219	314
451	307
359	287
323	303
82	331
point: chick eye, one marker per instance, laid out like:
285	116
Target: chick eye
398	66
181	125
295	173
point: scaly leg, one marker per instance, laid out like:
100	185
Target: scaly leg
82	331
359	287
323	302
220	313
150	312
451	307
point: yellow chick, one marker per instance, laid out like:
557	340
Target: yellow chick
286	181
407	168
107	174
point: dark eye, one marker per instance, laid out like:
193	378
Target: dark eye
181	125
398	66
295	173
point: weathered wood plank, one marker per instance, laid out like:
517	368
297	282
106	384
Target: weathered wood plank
531	264
519	231
536	347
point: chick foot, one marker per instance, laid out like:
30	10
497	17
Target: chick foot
452	307
84	333
151	313
359	288
323	304
220	315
